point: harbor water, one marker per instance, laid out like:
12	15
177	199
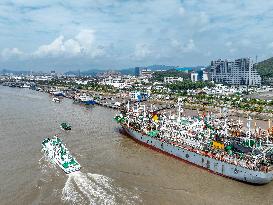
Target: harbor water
115	169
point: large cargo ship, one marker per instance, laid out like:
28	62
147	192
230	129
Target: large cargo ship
219	145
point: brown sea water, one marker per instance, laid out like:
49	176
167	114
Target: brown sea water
115	169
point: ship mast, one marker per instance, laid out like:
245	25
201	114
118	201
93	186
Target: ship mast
128	105
179	102
249	127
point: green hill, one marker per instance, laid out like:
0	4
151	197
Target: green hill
265	69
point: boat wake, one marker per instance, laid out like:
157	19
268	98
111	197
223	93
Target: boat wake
46	166
87	188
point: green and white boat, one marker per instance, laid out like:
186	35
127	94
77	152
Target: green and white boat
56	151
65	126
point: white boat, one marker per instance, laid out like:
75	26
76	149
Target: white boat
25	86
56	151
85	99
56	100
58	93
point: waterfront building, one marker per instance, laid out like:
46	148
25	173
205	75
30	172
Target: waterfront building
238	72
172	79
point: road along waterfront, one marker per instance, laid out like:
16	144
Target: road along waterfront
116	170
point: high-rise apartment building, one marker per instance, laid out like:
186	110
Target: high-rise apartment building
238	72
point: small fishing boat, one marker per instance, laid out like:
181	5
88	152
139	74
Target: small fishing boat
65	126
56	100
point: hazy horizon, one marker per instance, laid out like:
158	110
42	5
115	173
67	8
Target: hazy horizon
118	34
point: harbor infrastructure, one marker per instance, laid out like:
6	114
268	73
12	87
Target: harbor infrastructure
113	91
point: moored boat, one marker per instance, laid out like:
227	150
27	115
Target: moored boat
85	99
25	85
56	99
58	93
221	146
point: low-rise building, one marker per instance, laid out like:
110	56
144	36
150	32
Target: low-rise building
194	77
172	79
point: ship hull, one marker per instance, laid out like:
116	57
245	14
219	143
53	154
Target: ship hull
86	102
213	165
89	102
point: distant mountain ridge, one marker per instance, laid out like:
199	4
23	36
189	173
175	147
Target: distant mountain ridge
94	72
125	71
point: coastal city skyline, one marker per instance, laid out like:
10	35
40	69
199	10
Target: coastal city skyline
45	35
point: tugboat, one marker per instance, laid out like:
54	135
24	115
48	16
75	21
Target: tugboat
55	150
65	126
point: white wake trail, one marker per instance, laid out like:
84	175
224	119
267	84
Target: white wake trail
82	188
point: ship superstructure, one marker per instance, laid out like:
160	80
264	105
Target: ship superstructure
220	145
56	151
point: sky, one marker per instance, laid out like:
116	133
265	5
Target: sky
43	35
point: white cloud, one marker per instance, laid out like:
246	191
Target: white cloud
190	45
181	11
183	47
232	50
245	42
215	25
228	44
270	45
82	44
55	48
204	18
8	53
142	50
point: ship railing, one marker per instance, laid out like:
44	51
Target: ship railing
246	163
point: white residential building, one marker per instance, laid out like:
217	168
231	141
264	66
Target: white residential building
172	79
194	77
238	72
205	76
